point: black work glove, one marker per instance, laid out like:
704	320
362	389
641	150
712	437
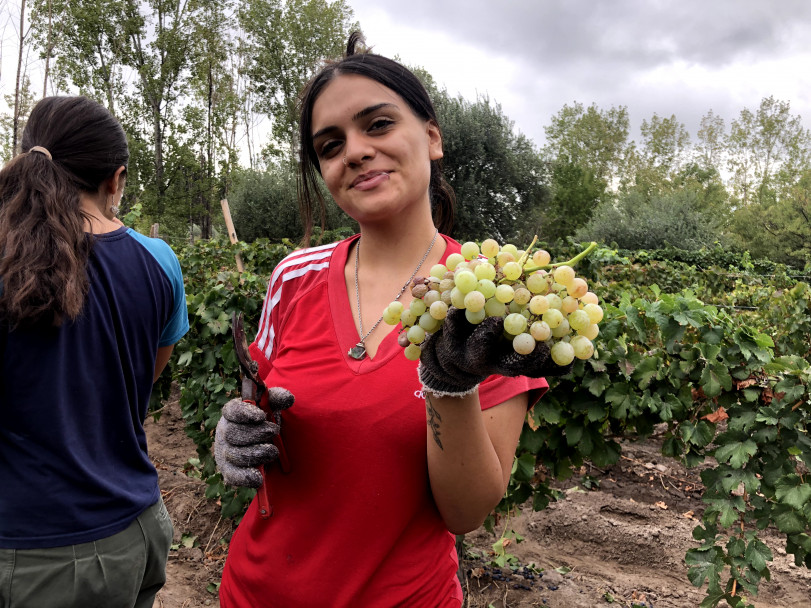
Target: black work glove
460	355
243	438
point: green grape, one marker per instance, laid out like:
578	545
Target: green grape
594	312
431	297
567	305
561	330
487	288
416	334
396	307
453	260
470	250
578	288
407	317
590	332
523	344
505	293
554	300
562	353
578	320
446	297
474	318
510	248
512	270
515	324
490	248
438	271
485	271
513	307
522	296
540	331
412	352
466	281
494	308
428	323
541	257
457	298
583	348
589	298
504	257
474	301
537	283
446	285
438	310
564	275
390	316
417	307
552	317
538	305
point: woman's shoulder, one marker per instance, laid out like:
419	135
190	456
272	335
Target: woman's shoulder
302	261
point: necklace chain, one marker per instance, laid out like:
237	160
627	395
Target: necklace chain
359	350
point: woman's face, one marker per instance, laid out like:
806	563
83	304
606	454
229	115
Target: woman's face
374	153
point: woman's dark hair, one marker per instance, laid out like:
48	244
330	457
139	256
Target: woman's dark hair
393	76
43	269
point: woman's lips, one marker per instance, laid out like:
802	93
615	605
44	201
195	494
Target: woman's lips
367	181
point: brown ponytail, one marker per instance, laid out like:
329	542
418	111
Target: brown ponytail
43	268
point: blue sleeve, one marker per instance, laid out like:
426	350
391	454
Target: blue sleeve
178	323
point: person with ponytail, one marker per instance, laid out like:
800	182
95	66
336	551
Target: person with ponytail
89	313
386	458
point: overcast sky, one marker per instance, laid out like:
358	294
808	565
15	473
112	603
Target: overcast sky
671	57
681	57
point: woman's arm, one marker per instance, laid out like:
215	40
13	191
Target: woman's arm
470	455
164	353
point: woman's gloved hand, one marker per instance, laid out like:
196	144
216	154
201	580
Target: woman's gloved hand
243	438
461	355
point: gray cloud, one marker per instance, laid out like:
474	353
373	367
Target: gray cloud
607	51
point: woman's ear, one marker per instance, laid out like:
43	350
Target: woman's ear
434	141
117	181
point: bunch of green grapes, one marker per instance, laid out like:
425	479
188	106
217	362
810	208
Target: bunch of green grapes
539	301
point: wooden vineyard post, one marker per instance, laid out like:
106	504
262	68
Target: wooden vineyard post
153	231
232	234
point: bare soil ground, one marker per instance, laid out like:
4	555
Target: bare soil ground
622	543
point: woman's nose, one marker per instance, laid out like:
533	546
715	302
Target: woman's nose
357	150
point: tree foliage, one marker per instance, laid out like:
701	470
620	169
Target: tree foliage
497	175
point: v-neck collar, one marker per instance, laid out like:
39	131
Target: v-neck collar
344	323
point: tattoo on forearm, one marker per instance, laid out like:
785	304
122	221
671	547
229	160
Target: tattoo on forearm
433	420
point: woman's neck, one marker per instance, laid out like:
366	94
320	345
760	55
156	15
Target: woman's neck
98	219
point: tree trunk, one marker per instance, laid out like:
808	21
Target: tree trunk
15	125
48	51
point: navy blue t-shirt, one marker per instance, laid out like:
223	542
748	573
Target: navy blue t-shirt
73	455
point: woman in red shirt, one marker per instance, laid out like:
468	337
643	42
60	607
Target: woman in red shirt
388	459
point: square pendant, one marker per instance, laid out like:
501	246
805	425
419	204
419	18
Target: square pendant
358	351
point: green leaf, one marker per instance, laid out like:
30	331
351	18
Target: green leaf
705	565
792	491
788	520
758	555
525	467
737	453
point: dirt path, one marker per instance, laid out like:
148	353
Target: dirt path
621	544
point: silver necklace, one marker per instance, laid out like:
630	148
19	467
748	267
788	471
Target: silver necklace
359	350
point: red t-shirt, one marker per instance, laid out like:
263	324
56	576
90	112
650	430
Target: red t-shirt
354	523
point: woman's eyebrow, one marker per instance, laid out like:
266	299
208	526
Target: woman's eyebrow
358	116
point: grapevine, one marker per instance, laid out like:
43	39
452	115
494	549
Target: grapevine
539	301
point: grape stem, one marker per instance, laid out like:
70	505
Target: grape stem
591	247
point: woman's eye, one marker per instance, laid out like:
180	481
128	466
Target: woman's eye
380	123
328	148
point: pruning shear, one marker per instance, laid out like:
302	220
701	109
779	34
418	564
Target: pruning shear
254	391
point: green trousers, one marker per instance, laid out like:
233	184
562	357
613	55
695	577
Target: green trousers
125	570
